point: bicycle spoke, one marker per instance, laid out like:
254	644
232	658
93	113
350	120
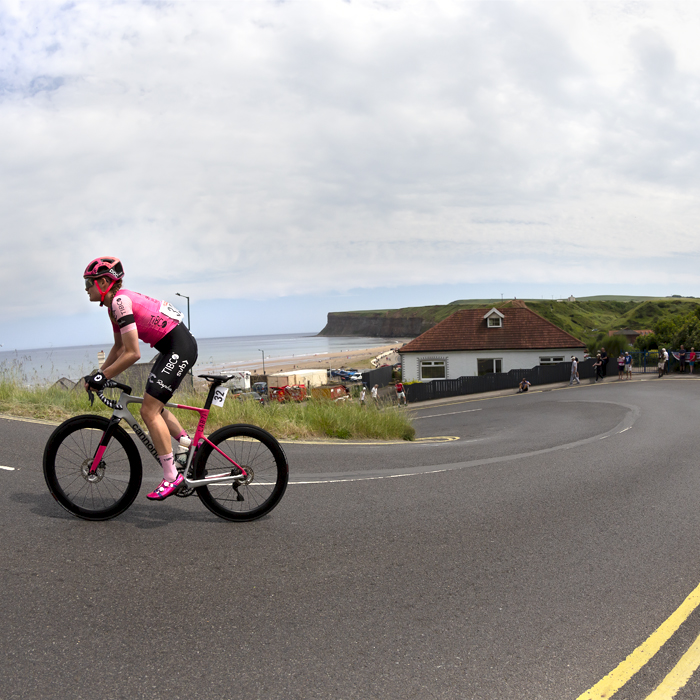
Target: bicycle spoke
263	460
68	460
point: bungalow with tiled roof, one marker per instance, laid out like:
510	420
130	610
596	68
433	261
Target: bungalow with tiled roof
476	341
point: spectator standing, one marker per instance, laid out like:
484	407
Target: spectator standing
628	365
691	359
574	371
604	361
375	394
662	361
620	365
682	355
363	394
401	394
598	364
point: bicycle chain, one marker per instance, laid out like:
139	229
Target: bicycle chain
182	493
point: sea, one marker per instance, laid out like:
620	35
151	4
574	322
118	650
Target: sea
47	365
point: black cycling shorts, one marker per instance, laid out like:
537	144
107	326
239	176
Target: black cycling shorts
178	353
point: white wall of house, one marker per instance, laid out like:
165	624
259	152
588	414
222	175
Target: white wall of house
465	363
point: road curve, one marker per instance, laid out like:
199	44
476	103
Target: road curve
527	559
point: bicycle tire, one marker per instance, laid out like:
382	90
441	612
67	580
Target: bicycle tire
67	457
260	455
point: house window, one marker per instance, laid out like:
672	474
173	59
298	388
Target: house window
488	366
552	360
432	369
494	322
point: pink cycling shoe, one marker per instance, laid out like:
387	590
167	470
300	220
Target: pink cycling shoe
166	488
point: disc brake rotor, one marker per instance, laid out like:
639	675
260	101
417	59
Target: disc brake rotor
249	478
97	476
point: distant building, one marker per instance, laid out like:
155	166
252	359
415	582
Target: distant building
478	341
630	335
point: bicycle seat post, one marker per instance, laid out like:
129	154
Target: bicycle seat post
216	381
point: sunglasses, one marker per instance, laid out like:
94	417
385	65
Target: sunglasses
88	284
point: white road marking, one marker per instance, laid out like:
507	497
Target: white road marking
331	478
9	469
452	413
366	478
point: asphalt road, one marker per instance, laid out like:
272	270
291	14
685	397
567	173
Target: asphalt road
526	559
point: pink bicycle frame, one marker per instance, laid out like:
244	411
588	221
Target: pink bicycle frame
121	413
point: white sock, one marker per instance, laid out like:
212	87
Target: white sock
169	469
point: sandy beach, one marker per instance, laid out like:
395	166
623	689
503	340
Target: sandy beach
355	359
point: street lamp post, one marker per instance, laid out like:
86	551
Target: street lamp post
263	356
188	307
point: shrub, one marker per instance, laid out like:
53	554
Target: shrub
614	345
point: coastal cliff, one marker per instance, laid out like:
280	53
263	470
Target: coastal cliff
376	324
407	322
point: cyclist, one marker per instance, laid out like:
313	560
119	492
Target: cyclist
135	316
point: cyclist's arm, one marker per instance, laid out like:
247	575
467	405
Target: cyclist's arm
124	353
114	353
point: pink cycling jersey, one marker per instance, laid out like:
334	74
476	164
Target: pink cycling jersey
152	319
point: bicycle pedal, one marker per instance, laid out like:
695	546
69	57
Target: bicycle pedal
184	493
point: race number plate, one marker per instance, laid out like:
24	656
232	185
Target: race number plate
167	309
219	397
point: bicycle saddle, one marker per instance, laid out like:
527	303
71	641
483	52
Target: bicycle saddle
221	378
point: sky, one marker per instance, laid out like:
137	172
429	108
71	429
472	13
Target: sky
276	161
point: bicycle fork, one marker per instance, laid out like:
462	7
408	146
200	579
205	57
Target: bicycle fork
102	447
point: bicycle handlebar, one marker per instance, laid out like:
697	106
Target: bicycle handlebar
112	384
110	403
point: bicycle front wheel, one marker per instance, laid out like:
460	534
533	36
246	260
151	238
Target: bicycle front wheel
264	461
68	457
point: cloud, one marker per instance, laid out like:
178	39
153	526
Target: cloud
255	150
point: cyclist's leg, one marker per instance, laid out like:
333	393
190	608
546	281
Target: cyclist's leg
151	412
174	426
158	393
178	352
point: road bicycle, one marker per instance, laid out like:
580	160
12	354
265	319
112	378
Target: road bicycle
93	468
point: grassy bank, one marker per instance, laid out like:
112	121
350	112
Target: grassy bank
312	419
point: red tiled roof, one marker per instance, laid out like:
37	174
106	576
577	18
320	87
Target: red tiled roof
522	329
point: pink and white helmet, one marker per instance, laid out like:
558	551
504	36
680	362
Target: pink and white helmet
105	266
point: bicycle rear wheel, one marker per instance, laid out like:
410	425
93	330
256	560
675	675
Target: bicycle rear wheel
67	459
260	455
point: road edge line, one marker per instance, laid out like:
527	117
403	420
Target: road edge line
679	675
610	684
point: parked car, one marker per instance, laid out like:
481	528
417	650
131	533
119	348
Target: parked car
260	388
349	375
249	396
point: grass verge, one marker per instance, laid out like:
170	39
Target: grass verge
308	420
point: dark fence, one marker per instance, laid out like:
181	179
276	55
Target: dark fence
647	361
380	376
543	374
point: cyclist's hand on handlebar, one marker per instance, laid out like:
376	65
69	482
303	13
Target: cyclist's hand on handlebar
95	381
